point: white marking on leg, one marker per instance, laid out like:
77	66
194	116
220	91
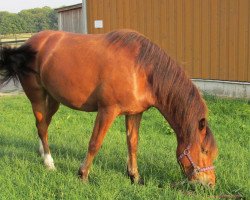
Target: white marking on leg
41	150
49	162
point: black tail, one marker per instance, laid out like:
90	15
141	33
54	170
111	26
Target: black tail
15	62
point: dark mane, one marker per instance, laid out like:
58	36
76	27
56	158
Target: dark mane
176	93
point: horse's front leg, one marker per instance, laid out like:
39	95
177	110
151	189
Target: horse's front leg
104	119
132	128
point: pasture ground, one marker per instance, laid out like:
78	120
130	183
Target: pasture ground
11	37
14	40
22	175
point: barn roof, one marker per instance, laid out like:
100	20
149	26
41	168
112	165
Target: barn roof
66	8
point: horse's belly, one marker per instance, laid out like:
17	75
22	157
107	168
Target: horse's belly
89	101
75	96
77	100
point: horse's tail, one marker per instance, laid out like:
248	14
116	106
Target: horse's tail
15	62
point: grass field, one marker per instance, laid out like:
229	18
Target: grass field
22	175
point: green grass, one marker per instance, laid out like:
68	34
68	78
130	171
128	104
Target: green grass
23	176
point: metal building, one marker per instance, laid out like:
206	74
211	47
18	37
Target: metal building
210	38
70	18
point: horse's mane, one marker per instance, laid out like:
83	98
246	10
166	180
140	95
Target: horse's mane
176	93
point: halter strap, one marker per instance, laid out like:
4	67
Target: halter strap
196	169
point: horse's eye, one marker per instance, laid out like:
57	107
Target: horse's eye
203	150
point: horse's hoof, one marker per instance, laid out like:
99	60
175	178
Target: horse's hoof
50	166
83	178
141	181
134	179
49	162
137	181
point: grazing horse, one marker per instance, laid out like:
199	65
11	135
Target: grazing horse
118	73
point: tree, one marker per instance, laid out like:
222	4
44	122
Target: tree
31	20
10	23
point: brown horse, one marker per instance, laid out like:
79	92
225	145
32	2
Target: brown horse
118	73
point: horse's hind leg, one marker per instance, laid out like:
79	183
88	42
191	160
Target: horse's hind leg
104	119
132	128
51	108
44	107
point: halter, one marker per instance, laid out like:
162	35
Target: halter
197	169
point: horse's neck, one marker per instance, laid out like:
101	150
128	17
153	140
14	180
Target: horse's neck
182	110
167	115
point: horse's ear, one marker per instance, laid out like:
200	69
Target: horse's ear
202	124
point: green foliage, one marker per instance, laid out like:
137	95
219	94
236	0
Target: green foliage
28	21
22	175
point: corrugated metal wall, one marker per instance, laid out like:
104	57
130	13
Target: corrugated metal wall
71	20
211	38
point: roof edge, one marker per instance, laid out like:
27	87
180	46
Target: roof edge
71	7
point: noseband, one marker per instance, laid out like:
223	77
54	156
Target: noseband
196	169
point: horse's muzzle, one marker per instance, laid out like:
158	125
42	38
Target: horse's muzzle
207	180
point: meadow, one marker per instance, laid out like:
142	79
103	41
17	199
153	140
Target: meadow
23	176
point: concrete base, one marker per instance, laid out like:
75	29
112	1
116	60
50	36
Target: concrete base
11	89
224	88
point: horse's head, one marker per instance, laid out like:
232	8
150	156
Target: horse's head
196	158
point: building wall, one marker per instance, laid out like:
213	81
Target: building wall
71	20
210	38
